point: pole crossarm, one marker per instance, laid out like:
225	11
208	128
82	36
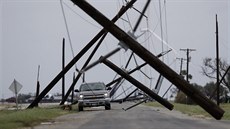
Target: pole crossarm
152	60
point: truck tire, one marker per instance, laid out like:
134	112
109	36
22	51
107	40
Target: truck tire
107	106
80	108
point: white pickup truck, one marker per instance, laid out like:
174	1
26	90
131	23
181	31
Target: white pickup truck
92	95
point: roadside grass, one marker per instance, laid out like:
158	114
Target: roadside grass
12	119
194	110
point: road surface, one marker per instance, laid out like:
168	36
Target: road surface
140	117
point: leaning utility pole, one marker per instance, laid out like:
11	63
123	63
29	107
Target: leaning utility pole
63	66
217	66
188	60
152	60
137	84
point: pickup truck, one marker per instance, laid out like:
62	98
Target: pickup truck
93	95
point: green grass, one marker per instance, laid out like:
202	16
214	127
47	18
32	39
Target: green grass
195	109
28	118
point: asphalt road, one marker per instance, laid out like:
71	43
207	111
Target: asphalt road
140	117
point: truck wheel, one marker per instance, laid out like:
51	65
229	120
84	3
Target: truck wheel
80	108
107	106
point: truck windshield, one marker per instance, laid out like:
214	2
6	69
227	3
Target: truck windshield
92	86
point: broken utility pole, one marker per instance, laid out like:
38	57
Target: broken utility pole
152	60
130	72
158	81
138	84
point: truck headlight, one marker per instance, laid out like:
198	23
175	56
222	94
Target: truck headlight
81	96
106	94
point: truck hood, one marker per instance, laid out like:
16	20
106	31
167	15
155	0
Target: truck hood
98	92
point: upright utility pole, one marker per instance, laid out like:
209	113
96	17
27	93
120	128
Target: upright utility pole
38	85
188	60
217	65
63	66
72	96
181	64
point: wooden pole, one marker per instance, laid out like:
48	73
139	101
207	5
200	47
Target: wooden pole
63	66
38	85
217	66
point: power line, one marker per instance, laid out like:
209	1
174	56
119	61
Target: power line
161	27
81	16
166	27
67	29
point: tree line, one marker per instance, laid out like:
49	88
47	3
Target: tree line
209	89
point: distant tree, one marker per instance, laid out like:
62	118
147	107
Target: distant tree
209	89
184	74
228	79
181	98
23	97
184	99
209	69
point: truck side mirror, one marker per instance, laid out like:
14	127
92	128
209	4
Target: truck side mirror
76	90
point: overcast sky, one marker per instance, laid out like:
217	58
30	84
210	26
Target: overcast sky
32	32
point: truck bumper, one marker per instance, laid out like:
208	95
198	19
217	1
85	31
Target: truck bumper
94	103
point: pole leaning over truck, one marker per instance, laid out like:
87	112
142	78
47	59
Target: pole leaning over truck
152	60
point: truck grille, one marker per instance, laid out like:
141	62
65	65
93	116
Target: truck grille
100	96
